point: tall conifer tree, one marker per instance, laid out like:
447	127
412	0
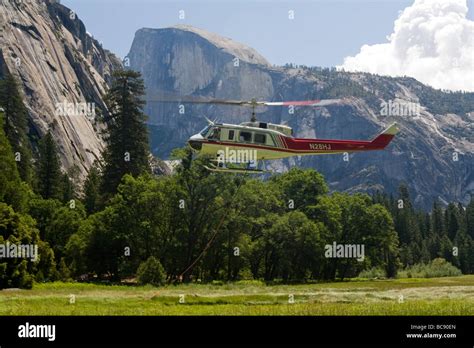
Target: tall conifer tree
49	169
127	149
16	125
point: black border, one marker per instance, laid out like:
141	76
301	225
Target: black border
237	330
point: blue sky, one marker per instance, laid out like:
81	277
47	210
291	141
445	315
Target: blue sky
322	33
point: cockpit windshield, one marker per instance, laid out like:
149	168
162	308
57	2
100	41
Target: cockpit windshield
205	131
211	132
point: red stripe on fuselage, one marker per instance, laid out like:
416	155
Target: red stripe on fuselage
338	145
295	145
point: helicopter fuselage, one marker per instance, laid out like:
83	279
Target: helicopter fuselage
268	142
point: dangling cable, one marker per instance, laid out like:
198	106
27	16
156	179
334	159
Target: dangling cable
208	245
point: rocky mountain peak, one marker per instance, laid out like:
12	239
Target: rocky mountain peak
236	49
62	71
433	154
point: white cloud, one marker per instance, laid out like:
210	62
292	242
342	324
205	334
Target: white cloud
432	41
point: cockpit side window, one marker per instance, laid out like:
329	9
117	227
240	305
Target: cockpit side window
260	138
245	137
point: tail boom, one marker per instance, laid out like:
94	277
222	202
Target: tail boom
326	146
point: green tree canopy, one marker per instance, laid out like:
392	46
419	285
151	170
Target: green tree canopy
19	229
301	187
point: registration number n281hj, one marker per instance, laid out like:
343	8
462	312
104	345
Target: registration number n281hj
320	146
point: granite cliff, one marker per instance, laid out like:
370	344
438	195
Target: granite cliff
63	72
433	154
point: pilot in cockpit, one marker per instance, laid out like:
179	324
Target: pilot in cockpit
216	134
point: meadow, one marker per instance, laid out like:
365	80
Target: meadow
410	296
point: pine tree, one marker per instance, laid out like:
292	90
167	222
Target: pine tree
127	149
12	190
470	218
425	256
437	223
67	188
50	184
16	125
91	190
452	219
402	215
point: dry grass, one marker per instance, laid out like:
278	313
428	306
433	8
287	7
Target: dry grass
435	296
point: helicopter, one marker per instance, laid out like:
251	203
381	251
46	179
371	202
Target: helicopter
230	145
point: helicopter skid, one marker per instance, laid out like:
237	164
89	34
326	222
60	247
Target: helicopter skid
217	169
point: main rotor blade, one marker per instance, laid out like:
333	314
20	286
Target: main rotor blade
322	102
166	98
169	98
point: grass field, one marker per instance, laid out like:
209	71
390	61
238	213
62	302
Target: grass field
435	296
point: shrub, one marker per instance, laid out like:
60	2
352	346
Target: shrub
373	273
438	267
151	272
250	282
64	272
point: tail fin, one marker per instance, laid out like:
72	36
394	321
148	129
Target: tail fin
384	138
